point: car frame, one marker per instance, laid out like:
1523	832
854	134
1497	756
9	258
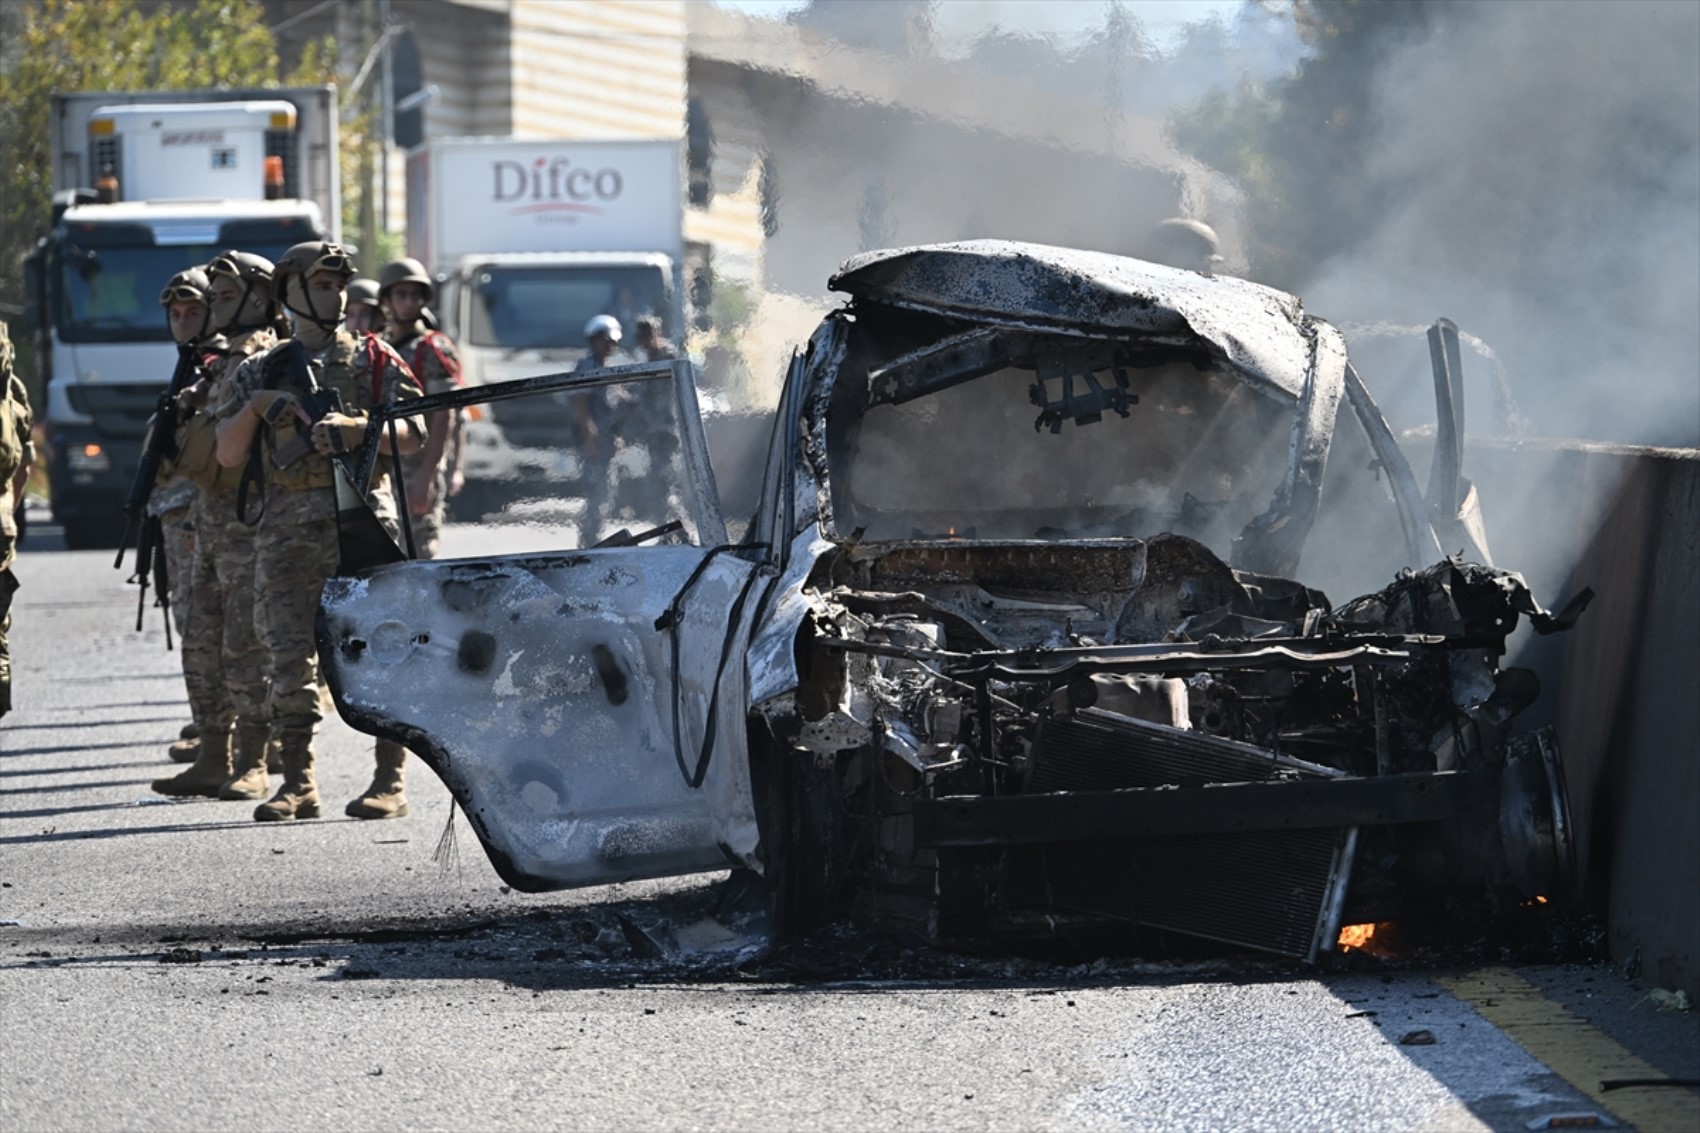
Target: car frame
1099	727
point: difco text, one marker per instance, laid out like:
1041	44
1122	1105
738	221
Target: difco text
557	180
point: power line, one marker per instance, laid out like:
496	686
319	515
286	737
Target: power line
299	16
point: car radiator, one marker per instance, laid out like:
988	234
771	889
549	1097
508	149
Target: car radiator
1278	891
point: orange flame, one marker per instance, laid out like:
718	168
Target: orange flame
1356	935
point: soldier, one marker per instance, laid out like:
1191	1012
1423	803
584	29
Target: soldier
364	316
172	500
295	542
223	663
602	338
403	289
593	412
17	453
651	347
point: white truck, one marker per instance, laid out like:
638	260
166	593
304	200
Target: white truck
147	183
530	240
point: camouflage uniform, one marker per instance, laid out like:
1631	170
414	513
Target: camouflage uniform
435	362
173	504
223	664
295	542
16	452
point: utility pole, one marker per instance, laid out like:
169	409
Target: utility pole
368	194
386	112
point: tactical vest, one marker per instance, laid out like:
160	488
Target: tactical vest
425	343
314	470
198	446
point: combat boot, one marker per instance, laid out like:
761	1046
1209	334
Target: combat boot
299	796
249	771
384	798
185	751
274	761
207	774
189	731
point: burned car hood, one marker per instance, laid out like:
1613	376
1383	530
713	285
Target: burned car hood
1259	331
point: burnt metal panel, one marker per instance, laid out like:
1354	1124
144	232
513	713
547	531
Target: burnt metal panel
566	724
1277	890
1272	542
1145	812
1272	892
1258	330
1097	750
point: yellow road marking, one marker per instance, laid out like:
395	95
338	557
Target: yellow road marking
1575	1050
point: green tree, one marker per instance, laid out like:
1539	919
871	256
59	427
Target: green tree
72	45
82	45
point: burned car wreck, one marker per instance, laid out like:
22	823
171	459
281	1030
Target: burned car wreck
1013	648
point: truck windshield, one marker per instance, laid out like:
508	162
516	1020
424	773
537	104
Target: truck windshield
545	307
108	285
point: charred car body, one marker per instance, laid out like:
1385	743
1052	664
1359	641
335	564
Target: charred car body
1011	647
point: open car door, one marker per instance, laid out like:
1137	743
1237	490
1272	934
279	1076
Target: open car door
585	706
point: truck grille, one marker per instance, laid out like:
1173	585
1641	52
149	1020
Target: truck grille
118	410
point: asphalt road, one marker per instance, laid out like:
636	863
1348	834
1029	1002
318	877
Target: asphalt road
173	965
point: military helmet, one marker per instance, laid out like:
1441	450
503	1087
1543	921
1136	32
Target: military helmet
405	270
188	286
363	290
243	266
313	255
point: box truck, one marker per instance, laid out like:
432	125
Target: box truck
147	183
530	240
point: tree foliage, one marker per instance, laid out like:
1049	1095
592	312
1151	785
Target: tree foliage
91	45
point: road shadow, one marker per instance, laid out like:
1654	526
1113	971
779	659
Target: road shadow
169	676
8	791
1445	1038
92	808
96	835
166	703
130	765
63	724
63	749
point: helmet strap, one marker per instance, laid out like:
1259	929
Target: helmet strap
328	326
240	321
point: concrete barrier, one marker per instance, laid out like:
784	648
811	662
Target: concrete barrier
1623	687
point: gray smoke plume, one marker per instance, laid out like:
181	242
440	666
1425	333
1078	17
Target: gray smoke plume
1544	162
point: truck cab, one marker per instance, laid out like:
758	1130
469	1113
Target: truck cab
147	184
94	285
519	315
530	239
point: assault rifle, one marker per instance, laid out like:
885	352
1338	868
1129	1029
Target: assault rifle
140	528
361	537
